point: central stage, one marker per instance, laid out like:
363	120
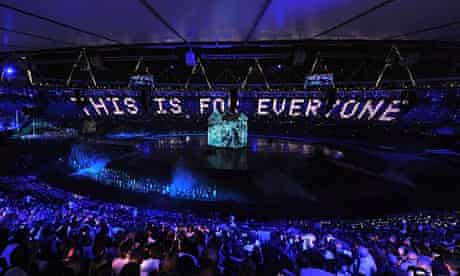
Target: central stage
270	169
280	174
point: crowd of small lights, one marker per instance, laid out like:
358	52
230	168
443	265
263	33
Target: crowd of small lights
124	181
93	166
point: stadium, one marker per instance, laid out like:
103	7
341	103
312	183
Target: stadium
263	137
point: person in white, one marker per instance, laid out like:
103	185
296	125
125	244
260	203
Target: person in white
365	261
150	264
118	263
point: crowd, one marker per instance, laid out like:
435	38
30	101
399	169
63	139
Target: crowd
48	231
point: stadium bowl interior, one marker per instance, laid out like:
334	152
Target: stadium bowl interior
265	137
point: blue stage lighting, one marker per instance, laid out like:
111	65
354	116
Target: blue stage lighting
190	58
9	70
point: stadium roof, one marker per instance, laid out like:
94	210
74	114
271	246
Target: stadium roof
27	25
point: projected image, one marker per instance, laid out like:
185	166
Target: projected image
230	128
227	132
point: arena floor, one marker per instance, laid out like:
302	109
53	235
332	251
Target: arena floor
273	175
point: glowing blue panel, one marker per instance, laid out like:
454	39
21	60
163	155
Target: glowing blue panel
141	81
227	130
85	161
